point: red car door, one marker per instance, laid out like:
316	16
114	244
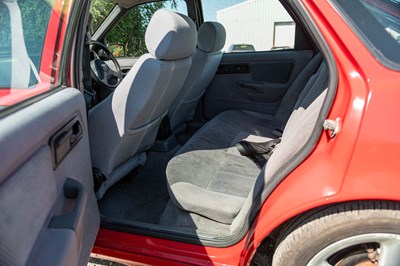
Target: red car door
48	211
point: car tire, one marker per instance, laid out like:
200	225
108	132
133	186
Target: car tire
343	234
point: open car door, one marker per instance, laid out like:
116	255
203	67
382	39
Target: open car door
48	211
49	214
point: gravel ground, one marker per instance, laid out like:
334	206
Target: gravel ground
100	262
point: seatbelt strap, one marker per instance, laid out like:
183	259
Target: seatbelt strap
21	64
98	179
258	152
88	93
34	70
277	132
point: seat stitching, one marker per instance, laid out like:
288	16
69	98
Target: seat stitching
215	173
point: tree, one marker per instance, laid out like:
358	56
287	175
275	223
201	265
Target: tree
99	10
35	17
130	30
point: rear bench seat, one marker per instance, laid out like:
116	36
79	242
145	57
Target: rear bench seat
209	177
221	131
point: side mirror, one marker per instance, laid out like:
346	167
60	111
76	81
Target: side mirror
117	49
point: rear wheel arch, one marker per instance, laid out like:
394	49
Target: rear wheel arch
268	247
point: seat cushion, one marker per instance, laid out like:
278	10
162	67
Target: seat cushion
220	178
217	185
228	128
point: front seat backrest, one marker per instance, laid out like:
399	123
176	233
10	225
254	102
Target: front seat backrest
125	124
205	62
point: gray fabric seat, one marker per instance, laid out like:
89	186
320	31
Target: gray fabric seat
225	184
205	62
125	124
219	186
222	131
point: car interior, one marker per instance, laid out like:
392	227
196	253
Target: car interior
154	118
190	141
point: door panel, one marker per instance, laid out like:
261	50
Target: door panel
126	63
253	81
49	213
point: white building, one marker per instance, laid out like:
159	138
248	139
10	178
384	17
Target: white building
262	23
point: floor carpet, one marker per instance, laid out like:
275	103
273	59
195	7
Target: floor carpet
141	196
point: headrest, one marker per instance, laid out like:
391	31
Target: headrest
211	37
170	35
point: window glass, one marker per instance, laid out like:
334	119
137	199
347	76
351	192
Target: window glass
377	23
100	10
130	30
32	34
256	25
23	27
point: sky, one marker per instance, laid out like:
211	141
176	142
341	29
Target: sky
210	7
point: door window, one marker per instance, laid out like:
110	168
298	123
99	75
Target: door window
377	23
283	37
30	45
100	9
251	26
126	38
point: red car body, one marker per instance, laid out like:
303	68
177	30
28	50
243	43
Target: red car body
360	163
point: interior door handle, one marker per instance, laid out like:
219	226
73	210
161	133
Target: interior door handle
65	139
258	87
72	190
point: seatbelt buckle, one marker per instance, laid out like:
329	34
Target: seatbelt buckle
91	93
89	97
277	132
